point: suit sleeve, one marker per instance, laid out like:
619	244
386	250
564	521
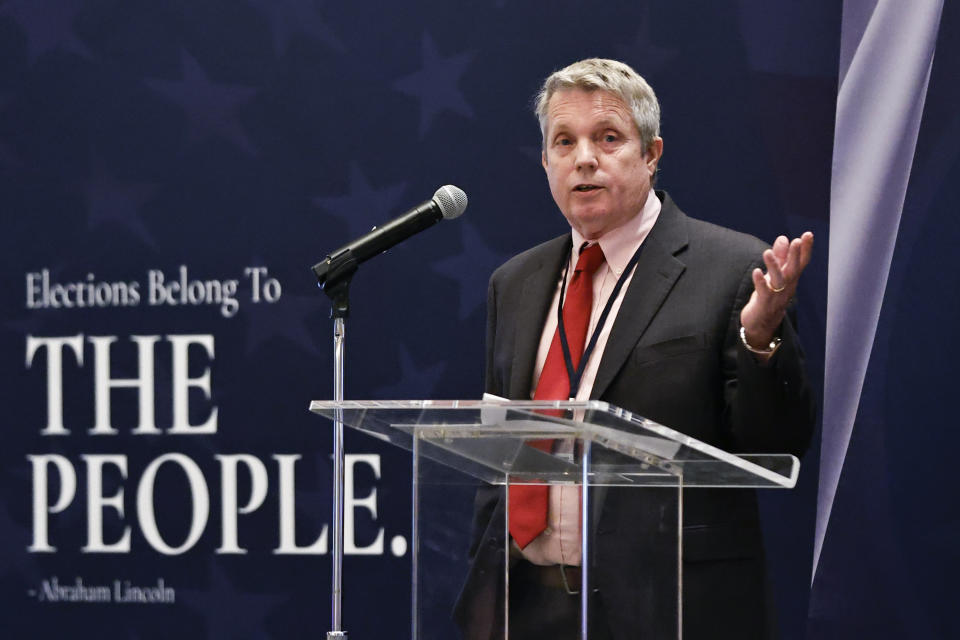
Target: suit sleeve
768	407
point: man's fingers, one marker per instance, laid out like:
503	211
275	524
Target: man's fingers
795	258
780	249
801	250
806	249
785	261
775	278
760	284
792	267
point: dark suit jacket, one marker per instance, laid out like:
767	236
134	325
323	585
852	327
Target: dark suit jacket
674	356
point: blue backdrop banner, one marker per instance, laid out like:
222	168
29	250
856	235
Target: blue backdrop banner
169	171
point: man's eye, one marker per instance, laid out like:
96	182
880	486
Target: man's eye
610	138
563	142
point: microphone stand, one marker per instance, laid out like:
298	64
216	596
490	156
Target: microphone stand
334	275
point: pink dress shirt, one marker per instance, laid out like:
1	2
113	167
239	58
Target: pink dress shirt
560	542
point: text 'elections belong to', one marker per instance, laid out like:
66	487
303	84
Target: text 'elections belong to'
161	290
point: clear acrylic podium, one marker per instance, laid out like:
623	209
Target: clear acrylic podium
464	454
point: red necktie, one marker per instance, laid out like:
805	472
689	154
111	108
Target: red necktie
528	503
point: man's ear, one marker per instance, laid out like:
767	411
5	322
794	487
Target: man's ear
654	153
543	159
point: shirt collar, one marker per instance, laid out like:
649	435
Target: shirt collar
620	244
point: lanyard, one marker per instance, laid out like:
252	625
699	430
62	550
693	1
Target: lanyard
574	375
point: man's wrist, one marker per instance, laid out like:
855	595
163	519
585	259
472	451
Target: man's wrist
766	350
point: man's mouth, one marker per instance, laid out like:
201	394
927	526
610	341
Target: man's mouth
585	187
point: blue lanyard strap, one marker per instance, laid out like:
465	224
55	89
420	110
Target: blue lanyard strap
574	375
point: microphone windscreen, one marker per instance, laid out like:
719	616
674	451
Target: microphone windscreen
451	200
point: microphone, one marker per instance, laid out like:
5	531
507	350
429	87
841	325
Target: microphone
447	203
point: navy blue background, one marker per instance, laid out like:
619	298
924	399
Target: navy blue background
224	135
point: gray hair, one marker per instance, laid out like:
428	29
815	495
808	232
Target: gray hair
614	77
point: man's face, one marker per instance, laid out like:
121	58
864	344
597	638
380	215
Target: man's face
598	170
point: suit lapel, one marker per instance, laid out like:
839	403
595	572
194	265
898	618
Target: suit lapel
654	277
536	296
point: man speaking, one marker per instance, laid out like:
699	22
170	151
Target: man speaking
696	337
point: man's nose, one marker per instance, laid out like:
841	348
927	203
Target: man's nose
586	155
